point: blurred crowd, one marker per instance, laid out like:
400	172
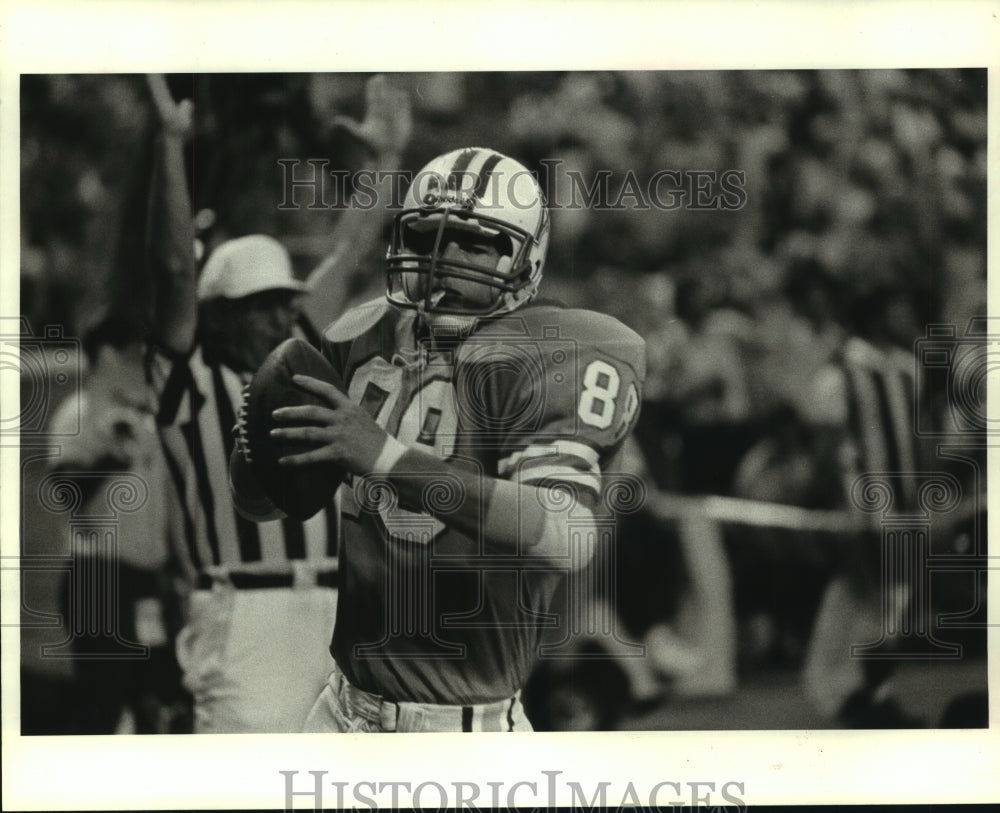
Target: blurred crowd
864	216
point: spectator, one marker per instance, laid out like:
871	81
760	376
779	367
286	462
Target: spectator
126	677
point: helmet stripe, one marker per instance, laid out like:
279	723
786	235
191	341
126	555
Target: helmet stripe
460	166
485	173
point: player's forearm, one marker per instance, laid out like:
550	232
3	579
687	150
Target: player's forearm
511	518
172	260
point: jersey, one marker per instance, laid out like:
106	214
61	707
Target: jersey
198	405
542	396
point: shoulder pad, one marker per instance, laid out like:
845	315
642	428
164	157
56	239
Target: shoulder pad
356	321
583	327
544	319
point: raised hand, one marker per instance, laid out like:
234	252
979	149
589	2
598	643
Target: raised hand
176	118
388	121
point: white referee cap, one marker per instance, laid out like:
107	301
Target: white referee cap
247	265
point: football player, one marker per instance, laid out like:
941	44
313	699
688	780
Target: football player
477	425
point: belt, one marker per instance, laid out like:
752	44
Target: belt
391	714
266	581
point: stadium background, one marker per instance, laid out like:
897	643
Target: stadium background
865	215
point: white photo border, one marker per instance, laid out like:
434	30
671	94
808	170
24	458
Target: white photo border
214	772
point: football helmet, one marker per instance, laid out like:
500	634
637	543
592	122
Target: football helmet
482	192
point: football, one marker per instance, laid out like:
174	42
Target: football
299	491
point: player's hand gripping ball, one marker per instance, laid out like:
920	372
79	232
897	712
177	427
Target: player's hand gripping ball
299	491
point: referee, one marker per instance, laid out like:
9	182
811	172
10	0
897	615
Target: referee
865	399
254	650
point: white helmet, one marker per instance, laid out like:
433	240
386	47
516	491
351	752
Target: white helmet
477	190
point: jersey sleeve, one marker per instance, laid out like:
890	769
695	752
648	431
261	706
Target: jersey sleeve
557	396
364	329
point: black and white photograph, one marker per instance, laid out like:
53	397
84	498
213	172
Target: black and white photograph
636	409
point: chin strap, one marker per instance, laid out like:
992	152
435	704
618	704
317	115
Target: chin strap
523	296
411	358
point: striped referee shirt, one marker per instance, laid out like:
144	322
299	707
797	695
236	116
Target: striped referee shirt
881	390
198	407
869	393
